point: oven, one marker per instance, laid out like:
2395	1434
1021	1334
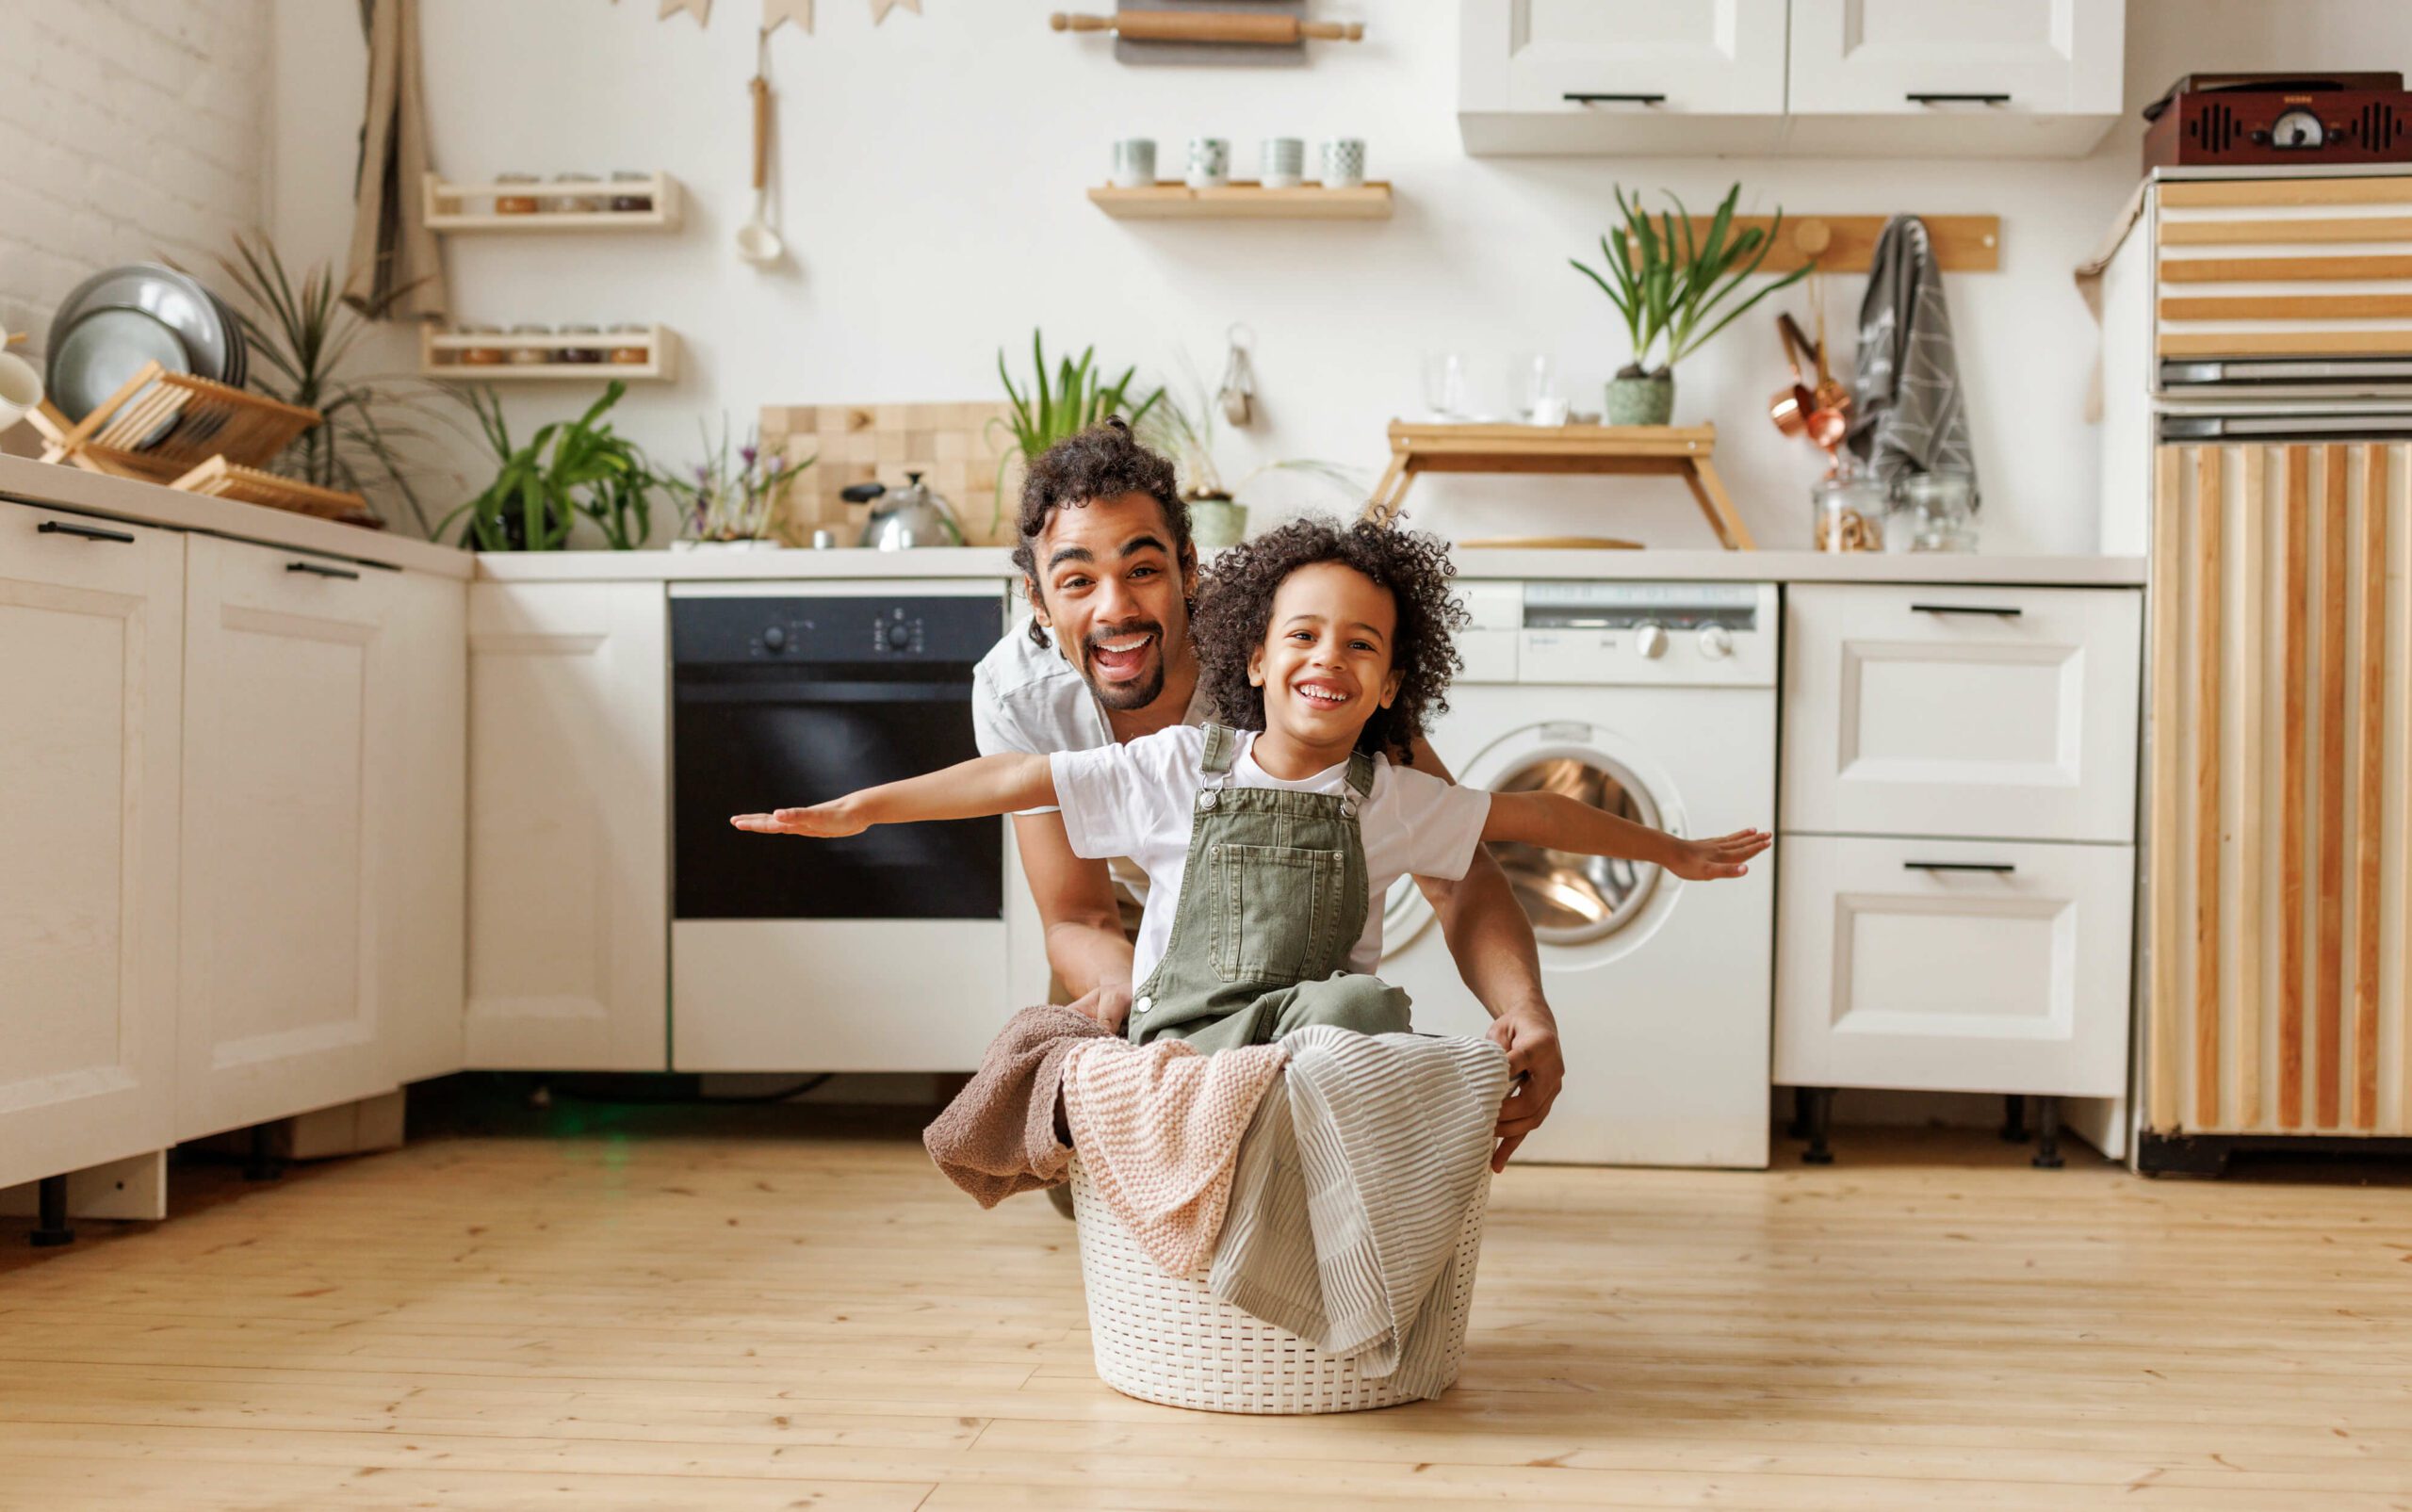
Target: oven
880	951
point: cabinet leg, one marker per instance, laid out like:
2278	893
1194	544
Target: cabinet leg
1821	1115
2047	1135
2014	1119
1799	1127
262	1164
51	1226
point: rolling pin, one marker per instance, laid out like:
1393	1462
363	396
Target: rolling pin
1211	27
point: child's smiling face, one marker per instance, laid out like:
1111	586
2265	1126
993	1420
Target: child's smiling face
1328	661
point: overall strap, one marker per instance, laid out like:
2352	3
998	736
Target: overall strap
1361	775
1222	750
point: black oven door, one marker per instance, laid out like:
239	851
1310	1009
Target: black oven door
754	737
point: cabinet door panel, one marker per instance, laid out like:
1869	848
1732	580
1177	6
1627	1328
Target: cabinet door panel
89	632
1871	57
289	792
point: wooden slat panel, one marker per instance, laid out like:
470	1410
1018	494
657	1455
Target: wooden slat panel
2168	762
2292	752
2207	786
2282	233
2399	952
2370	661
2328	973
2252	917
2212	193
2286	306
2283	269
2284	343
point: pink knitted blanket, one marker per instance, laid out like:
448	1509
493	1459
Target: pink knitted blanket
1158	1128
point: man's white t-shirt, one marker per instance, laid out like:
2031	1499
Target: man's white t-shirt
1136	799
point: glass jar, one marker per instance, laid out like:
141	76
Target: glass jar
577	203
530	356
631	345
631	190
589	350
488	356
1847	513
1940	510
509	200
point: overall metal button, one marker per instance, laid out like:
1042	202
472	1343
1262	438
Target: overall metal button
1141	1005
1206	799
1347	809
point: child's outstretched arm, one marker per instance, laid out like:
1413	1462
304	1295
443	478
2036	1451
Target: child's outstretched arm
969	789
1563	824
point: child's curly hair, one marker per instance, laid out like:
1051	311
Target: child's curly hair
1235	606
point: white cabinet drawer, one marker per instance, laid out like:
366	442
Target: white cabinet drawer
2001	712
1893	969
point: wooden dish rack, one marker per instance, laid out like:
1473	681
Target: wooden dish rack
196	434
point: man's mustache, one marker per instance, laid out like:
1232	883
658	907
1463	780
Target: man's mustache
1115	632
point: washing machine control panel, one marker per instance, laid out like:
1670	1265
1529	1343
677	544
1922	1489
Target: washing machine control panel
1653	634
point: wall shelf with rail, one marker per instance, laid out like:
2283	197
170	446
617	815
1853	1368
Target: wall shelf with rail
469	207
449	355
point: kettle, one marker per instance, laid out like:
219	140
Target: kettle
909	517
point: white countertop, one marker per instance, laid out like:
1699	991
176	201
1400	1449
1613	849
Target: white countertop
56	485
1658	566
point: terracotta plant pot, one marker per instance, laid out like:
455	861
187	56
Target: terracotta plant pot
1647	401
1216	522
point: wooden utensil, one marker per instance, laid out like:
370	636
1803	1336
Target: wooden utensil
1211	27
755	241
1790	407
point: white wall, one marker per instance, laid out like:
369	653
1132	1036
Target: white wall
930	175
127	131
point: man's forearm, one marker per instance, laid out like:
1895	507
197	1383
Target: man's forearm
1087	953
1490	938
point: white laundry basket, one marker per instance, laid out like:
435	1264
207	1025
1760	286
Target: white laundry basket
1164	1337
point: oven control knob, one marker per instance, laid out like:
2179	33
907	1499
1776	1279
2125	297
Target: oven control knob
1649	640
899	635
1717	642
775	638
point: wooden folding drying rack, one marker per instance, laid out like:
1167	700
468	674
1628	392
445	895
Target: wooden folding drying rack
1663	451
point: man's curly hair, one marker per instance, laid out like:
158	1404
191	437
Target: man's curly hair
1235	606
1104	461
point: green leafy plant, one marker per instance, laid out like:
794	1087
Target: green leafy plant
1668	288
304	337
1075	396
567	469
732	502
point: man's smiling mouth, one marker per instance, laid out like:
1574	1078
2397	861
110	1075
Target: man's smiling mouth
1120	653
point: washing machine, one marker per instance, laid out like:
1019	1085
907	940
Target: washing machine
1656	700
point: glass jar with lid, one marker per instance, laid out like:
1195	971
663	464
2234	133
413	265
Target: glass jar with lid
1939	510
530	355
1847	512
510	198
631	345
580	203
631	190
590	349
488	355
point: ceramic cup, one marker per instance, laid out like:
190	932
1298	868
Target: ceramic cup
1134	163
1343	163
1210	162
20	388
1282	163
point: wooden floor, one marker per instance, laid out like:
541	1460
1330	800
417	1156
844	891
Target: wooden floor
650	1308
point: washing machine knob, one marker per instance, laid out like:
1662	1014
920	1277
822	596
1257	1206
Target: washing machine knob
1651	639
1715	643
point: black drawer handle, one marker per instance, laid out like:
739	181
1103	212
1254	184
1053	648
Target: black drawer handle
1958	99
1616	99
82	532
1999	611
315	570
2001	867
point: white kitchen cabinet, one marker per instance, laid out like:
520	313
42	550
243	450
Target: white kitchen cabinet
1998	713
421	875
90	635
292	801
1953	966
1636	75
568	848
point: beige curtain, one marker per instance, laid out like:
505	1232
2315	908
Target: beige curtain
394	270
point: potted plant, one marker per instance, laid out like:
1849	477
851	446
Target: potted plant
1671	288
731	503
1182	425
1059	405
567	469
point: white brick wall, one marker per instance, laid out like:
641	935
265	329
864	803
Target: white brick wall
130	130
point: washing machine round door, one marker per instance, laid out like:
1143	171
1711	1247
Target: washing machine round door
1573	900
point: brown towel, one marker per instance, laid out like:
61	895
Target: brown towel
393	270
998	1136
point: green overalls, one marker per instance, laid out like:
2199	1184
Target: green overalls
1273	897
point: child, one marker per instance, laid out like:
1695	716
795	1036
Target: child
1269	840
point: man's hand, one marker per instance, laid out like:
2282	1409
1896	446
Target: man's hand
831	820
1538	1070
1722	856
1109	1003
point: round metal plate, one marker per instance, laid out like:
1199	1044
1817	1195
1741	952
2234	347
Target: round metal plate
176	301
104	349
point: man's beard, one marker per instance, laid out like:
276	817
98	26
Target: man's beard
1125	696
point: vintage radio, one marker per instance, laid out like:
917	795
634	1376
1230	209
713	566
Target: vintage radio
2279	121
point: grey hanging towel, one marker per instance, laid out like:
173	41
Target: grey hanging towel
1908	415
393	270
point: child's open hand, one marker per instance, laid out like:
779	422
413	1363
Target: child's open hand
825	821
1723	857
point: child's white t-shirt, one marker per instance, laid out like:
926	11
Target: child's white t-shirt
1138	799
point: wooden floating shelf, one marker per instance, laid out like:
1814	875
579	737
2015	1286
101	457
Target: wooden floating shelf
440	356
1245	200
1846	243
448	205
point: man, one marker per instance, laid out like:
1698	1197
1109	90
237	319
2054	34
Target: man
1107	564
